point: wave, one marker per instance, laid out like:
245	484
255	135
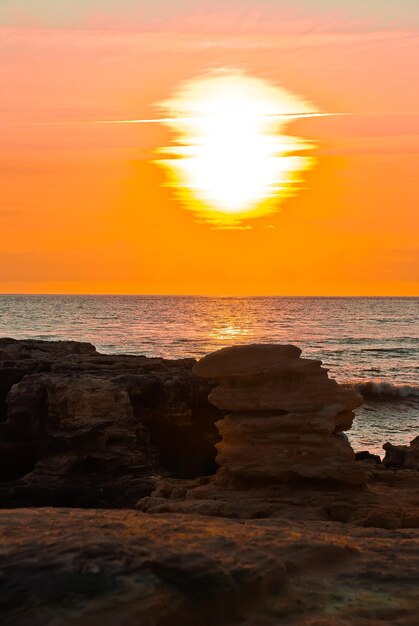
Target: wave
384	389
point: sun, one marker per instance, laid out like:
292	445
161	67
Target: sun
230	161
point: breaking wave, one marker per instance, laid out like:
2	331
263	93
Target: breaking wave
383	389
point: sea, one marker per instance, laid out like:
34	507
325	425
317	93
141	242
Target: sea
371	343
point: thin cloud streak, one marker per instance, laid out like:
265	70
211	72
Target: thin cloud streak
164	120
169	120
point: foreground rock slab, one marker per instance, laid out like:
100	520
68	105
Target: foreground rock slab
284	417
128	568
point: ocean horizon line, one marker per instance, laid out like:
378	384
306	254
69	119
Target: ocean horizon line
200	295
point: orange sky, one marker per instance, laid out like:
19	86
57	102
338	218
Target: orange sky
85	210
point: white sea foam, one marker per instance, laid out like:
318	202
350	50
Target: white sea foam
383	388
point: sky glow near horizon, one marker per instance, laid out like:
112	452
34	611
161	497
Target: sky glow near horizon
85	207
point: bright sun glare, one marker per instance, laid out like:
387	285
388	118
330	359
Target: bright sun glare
229	161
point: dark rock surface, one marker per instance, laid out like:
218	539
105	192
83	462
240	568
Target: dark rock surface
402	457
366	457
125	568
81	428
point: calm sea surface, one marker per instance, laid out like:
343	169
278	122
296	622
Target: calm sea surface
371	342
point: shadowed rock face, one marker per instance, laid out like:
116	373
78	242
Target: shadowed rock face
284	415
84	429
402	457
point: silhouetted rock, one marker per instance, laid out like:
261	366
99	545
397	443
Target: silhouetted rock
367	457
284	416
399	457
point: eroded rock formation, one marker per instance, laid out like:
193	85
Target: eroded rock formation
81	428
284	417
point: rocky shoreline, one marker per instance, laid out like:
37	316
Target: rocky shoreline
128	497
81	428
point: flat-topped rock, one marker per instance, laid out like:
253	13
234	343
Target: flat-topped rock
246	360
269	377
37	348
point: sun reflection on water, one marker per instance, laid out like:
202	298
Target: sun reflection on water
225	332
230	159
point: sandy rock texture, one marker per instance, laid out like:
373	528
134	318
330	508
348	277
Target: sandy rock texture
128	568
390	499
284	416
